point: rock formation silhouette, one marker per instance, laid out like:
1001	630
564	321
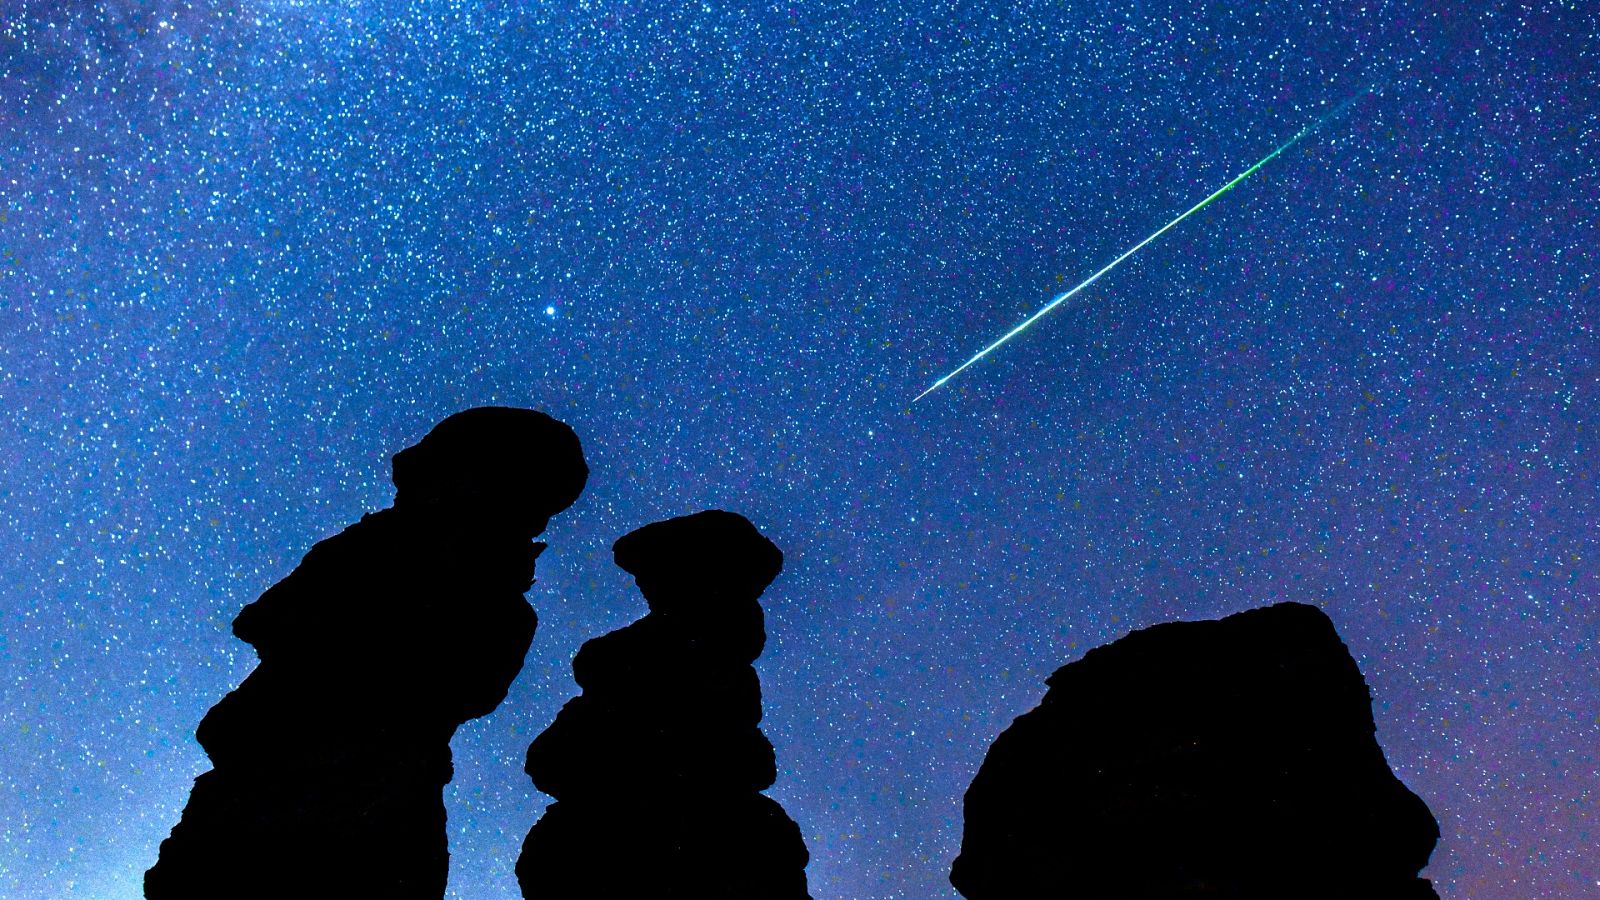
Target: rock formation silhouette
658	766
1232	758
329	760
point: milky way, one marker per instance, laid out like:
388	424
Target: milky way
249	249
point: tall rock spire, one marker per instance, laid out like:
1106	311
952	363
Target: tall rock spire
329	760
658	766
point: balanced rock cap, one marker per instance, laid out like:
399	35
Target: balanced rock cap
487	453
718	545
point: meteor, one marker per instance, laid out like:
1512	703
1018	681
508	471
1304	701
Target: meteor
1137	247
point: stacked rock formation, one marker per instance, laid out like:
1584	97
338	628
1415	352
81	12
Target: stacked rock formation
330	758
658	766
1232	758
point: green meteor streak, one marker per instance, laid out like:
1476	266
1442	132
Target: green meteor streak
1136	247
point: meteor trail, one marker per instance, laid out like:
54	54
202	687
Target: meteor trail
1136	247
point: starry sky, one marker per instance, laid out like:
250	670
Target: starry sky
251	248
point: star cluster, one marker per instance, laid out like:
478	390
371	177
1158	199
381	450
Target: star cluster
248	249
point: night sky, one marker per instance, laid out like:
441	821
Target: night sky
250	249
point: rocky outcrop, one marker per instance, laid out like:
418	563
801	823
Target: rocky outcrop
1232	758
657	767
330	758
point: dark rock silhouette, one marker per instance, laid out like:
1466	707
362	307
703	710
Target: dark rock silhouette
1232	758
658	765
330	758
